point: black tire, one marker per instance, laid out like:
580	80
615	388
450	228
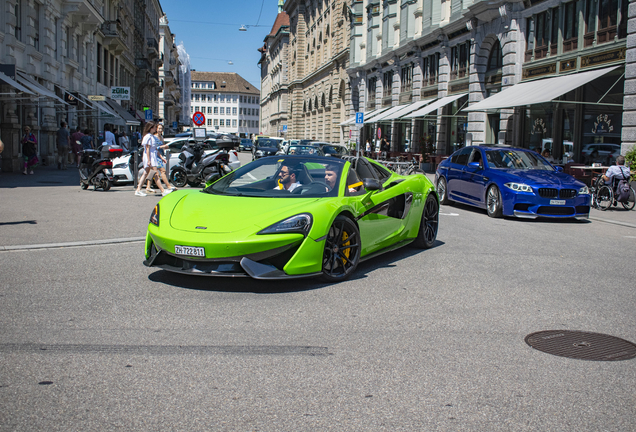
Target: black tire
604	198
340	257
427	233
494	206
631	201
178	177
84	186
442	191
105	185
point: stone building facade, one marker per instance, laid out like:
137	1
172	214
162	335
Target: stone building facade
54	54
441	58
170	87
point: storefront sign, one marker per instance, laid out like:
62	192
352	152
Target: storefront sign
602	125
567	65
540	70
96	97
120	93
606	57
538	127
70	98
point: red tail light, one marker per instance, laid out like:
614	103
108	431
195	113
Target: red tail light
235	153
106	163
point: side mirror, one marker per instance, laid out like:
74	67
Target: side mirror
474	165
371	184
558	169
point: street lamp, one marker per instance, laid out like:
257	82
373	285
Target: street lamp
243	28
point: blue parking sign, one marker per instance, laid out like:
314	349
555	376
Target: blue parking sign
148	113
359	118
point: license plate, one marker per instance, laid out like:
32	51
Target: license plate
190	251
557	202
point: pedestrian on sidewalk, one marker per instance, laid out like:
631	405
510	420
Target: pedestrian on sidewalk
87	140
161	161
63	137
76	144
109	136
29	150
149	144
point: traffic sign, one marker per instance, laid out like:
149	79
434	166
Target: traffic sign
284	128
148	113
359	118
379	133
198	118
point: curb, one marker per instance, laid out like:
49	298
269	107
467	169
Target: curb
72	244
609	221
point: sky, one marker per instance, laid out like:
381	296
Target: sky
209	30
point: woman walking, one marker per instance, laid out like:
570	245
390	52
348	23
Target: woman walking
149	144
161	161
29	150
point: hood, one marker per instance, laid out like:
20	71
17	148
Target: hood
226	214
543	178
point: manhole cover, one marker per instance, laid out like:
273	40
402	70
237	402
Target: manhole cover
582	345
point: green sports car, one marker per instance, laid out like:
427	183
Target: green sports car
288	217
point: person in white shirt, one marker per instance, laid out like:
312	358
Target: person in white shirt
124	142
287	179
618	171
109	137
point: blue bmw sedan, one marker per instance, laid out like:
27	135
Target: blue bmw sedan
509	181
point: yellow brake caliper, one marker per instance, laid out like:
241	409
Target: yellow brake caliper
346	251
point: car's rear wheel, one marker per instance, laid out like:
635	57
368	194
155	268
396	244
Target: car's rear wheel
428	227
494	206
342	250
442	191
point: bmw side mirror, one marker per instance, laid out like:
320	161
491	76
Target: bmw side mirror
558	169
474	165
371	184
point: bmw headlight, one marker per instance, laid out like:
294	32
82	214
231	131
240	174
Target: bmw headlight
154	216
121	165
300	223
584	191
259	153
519	187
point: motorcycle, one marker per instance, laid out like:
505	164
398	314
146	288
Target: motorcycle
195	168
96	167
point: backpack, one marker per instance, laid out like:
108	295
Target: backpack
622	191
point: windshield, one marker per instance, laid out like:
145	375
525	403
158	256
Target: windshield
268	142
282	177
302	150
516	159
337	150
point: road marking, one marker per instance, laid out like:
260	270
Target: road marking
449	214
73	244
630	237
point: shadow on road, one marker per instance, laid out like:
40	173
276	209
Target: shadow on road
539	220
246	284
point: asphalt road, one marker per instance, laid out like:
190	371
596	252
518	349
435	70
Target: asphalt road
418	340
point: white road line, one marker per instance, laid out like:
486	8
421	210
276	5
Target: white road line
73	244
449	214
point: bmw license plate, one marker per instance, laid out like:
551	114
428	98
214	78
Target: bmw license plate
557	202
190	251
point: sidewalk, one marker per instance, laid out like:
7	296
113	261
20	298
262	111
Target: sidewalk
614	215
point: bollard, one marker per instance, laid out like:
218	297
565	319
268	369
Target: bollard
135	170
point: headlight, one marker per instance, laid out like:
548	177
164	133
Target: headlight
154	216
519	187
296	224
584	191
259	153
121	165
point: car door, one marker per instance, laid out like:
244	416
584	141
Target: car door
474	179
455	174
382	213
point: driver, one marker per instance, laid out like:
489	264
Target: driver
287	178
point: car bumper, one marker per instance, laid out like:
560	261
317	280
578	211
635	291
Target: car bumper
532	207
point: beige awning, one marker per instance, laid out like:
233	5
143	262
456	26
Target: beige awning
538	91
435	106
408	109
370	118
30	83
385	114
128	118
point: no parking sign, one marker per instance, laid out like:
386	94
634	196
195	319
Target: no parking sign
198	118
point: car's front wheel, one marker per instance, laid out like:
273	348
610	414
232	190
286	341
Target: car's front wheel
494	205
442	191
342	250
428	227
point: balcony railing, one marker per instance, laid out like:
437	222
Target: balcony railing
387	100
153	46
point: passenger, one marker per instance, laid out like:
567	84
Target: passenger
547	156
287	179
331	177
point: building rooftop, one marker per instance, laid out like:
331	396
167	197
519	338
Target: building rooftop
229	82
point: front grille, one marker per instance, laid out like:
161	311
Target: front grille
555	211
567	193
548	193
522	207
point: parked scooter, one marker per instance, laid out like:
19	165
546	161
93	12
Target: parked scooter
194	168
96	167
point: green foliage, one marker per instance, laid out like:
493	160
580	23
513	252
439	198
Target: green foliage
630	161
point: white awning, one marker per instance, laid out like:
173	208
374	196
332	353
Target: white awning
367	115
408	109
128	118
29	82
382	116
348	122
370	118
435	106
539	91
14	84
103	107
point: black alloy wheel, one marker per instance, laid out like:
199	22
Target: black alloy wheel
342	250
494	206
428	227
178	177
442	191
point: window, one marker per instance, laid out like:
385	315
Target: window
233	123
209	122
495	61
196	85
227	122
216	122
460	60
196	108
196	97
570	27
112	70
234	111
216	110
105	58
371	88
99	62
17	10
554	33
430	70
387	83
222	110
36	26
222	97
222	122
209	110
406	78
